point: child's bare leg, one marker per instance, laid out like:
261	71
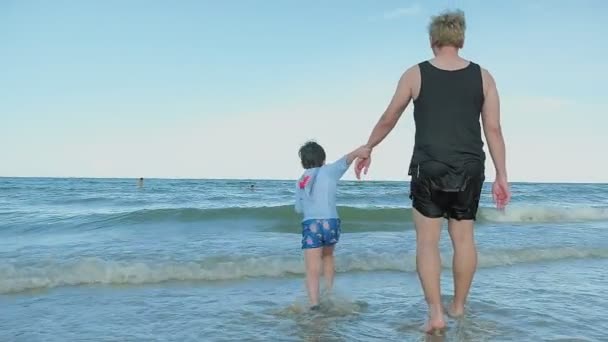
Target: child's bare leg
312	258
328	267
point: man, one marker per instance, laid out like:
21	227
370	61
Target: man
447	166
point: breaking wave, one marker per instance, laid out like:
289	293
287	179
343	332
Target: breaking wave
89	271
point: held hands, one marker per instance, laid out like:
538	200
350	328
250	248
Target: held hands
364	159
364	152
501	192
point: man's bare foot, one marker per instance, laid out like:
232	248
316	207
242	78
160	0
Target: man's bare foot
435	326
455	311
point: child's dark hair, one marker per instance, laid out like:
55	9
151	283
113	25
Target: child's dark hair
312	155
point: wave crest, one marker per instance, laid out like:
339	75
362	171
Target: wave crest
17	278
363	219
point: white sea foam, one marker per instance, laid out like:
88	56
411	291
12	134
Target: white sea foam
17	278
516	214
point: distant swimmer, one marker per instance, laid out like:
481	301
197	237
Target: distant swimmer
252	187
140	182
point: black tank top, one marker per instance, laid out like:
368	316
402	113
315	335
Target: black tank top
446	113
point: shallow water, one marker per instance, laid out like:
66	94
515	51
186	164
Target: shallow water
187	260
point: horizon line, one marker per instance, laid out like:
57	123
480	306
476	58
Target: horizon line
280	179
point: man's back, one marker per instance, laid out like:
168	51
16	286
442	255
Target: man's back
447	111
450	95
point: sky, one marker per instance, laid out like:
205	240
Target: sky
231	89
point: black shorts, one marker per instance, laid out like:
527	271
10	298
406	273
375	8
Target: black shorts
450	195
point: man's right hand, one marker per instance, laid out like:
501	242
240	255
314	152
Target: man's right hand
501	192
362	164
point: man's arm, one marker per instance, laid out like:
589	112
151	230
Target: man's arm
490	117
400	100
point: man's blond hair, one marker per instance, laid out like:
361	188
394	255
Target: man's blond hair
447	29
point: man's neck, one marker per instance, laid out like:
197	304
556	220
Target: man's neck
446	52
447	58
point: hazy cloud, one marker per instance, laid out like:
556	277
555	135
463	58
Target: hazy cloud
413	9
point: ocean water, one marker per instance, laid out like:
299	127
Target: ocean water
212	260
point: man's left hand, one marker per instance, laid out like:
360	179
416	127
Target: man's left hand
362	164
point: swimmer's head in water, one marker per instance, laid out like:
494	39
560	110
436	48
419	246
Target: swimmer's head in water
312	155
447	29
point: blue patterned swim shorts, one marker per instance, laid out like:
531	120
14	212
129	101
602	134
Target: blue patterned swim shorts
319	233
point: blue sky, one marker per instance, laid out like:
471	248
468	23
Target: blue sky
229	89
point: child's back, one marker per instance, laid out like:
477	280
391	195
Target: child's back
316	190
316	200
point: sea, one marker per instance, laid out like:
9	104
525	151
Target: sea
218	260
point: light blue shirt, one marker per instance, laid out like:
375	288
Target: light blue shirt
317	200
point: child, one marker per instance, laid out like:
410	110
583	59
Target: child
316	201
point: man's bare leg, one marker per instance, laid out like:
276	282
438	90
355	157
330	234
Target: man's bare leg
328	267
312	258
428	265
464	263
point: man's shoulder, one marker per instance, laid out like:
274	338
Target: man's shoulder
484	72
412	73
486	77
416	67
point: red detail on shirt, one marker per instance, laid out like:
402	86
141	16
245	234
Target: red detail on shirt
304	181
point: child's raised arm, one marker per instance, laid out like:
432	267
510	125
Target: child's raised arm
339	167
